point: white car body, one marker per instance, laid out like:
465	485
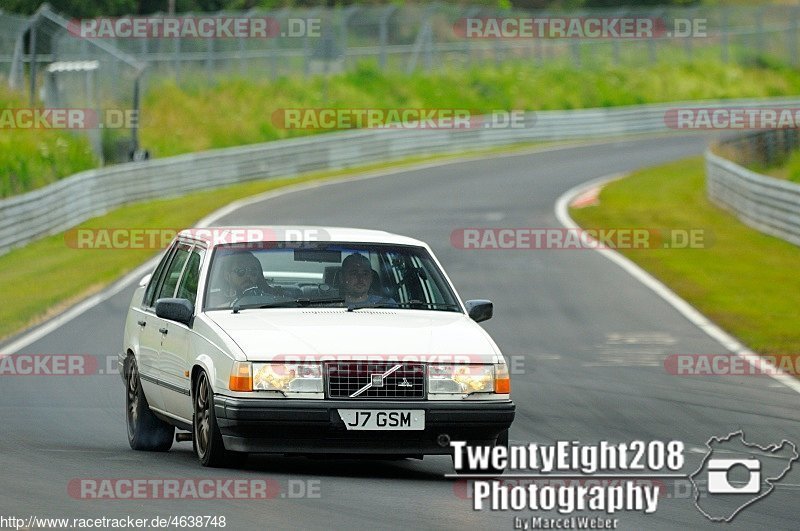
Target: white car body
170	356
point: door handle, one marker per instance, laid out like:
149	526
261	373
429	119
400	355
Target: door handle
163	330
141	323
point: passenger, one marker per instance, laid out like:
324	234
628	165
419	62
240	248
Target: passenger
357	281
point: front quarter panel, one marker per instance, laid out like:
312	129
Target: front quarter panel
214	352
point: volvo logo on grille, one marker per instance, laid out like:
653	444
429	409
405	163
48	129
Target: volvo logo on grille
405	383
376	380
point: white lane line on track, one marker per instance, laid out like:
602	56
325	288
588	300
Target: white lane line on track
686	309
134	276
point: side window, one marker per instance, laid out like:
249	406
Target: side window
173	274
149	300
187	289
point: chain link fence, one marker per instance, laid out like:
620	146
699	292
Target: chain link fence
409	38
58	64
59	71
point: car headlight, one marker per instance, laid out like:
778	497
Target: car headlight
468	379
288	377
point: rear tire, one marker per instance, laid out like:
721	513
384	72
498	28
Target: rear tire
146	432
207	440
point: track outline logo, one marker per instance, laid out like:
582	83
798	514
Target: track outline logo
731	462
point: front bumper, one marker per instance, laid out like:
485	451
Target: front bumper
297	426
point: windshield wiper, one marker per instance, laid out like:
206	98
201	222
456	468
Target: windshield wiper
289	303
302	303
409	304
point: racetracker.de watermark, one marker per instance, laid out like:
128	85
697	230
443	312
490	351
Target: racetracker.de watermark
216	488
405	118
738	118
54	364
536	238
731	365
134	238
470	362
579	27
68	118
193	27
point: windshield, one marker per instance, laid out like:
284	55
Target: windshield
332	274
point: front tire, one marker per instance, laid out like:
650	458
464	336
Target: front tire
207	440
146	432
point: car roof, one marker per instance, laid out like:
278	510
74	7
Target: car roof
256	233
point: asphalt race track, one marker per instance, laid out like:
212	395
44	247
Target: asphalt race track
593	341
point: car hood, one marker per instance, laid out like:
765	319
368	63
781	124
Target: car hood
270	334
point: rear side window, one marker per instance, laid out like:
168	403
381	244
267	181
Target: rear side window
149	300
169	280
187	289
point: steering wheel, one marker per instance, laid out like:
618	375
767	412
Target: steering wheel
251	291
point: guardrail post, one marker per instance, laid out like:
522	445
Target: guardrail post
177	58
242	63
760	31
143	49
724	34
652	42
770	145
383	34
33	59
575	49
344	20
307	48
210	58
17	73
791	37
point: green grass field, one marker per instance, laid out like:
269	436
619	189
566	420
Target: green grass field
31	158
743	280
237	111
200	115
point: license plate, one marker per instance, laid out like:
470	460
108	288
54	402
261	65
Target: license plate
382	419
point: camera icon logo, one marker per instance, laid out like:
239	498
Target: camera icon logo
719	482
734	474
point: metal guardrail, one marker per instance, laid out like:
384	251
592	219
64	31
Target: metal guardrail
767	204
87	194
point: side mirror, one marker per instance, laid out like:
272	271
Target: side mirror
145	280
179	310
479	309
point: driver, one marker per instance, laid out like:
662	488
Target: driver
357	281
242	275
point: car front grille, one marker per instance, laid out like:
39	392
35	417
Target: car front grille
404	380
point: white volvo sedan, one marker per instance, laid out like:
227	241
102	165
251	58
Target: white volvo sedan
302	340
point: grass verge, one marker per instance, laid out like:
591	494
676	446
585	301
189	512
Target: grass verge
33	156
196	115
743	280
45	277
199	114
